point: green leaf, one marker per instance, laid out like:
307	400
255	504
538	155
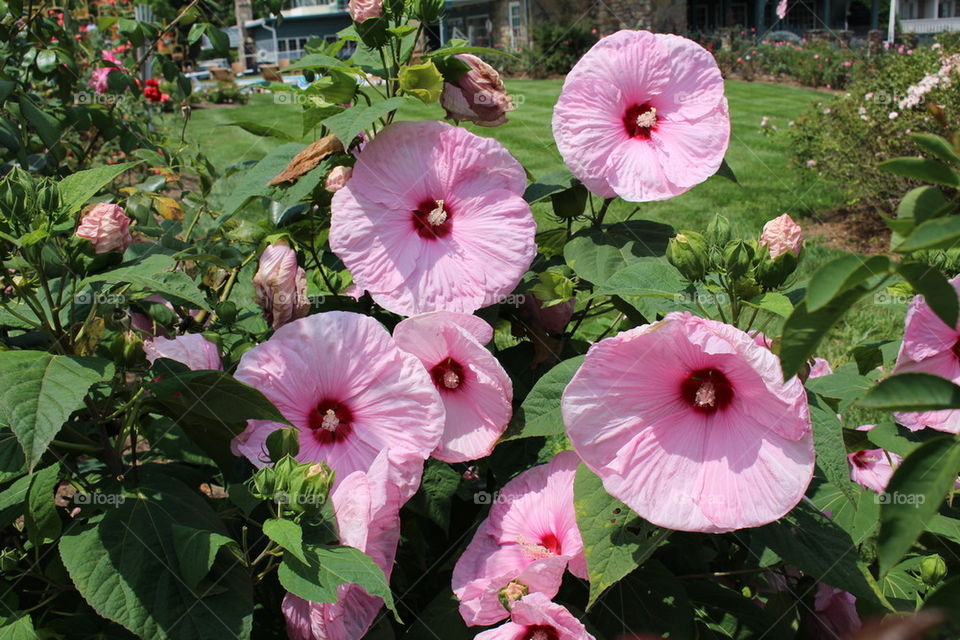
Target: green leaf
726	172
422	81
40	516
913	392
914	495
845	385
39	391
458	49
615	540
46	60
125	565
539	414
936	146
46	126
774	302
328	568
212	406
440	484
650	600
923	169
817	546
288	535
595	254
260	129
317	61
892	437
12	463
79	187
196	551
254	181
550	184
155	274
803	330
946	600
336	87
646	279
17	626
840	275
196	32
923	203
348	124
938	233
219	39
937	292
828	443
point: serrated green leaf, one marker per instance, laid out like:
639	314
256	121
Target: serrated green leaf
79	187
156	274
348	124
539	414
196	551
288	534
40	516
597	253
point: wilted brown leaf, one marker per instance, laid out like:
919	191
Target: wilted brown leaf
168	208
308	159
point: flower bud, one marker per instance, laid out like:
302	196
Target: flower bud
782	235
737	258
933	569
718	231
511	593
428	11
337	179
283	442
478	95
227	311
771	273
361	10
687	251
281	285
107	227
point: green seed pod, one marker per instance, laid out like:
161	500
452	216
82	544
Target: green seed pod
933	569
283	442
772	273
718	231
737	258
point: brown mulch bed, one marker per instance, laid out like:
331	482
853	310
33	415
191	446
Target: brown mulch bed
859	229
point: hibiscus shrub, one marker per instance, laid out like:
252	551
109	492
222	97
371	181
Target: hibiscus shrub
365	396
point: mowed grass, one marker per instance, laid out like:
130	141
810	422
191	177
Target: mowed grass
768	184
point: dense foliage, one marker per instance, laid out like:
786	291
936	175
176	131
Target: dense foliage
370	395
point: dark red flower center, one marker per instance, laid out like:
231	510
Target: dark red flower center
432	219
330	421
640	120
540	632
707	390
550	543
861	459
447	374
956	349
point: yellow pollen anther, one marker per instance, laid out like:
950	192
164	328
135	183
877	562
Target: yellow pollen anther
647	119
438	216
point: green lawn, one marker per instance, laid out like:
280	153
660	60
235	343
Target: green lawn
768	185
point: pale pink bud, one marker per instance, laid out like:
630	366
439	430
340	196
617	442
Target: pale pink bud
281	285
361	10
782	235
337	179
107	227
478	96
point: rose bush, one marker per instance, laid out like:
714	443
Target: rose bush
364	396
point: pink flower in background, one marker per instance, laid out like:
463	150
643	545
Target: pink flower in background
361	10
782	9
99	79
281	285
340	379
835	613
367	510
642	116
337	179
930	346
782	235
690	423
475	390
528	538
535	617
478	95
111	57
191	349
107	227
434	219
872	468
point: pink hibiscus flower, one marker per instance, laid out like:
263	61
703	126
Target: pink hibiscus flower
535	617
642	116
835	613
340	379
689	422
476	391
782	235
434	219
930	346
529	537
191	349
873	468
367	510
781	9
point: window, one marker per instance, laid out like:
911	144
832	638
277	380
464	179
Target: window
478	31
948	9
516	26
